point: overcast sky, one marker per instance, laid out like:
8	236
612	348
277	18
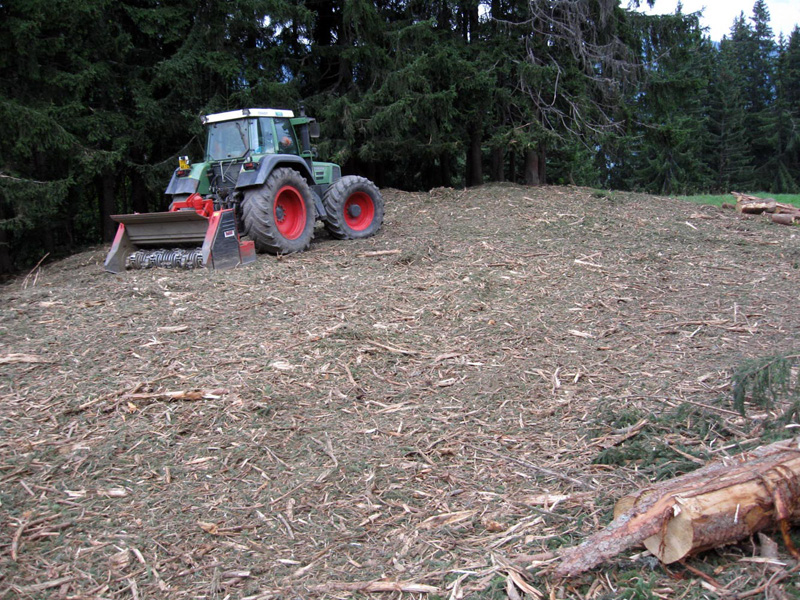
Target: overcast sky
718	15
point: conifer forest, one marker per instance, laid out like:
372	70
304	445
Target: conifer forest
98	99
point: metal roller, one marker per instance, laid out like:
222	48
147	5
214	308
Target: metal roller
173	258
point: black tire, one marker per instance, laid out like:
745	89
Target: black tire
355	208
279	216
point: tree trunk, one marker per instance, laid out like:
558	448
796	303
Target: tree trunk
6	264
474	20
715	505
443	15
542	164
468	20
445	173
498	158
107	196
139	193
531	167
474	159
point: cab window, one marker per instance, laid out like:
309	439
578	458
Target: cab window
286	140
266	137
227	140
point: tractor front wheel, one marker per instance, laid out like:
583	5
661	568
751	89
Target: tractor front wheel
355	208
279	215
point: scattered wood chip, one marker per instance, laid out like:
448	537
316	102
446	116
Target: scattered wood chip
376	586
451	518
282	365
380	252
178	395
20	358
46	585
519	580
617	437
210	528
547	500
580	334
113	492
447	356
393	350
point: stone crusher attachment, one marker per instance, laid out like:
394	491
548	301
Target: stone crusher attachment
191	235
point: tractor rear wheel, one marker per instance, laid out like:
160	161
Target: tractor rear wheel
279	215
355	208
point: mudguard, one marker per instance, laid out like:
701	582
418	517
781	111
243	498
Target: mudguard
268	164
196	181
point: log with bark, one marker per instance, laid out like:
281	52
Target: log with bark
718	504
786	218
753	205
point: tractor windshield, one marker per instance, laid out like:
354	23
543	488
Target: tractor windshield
227	139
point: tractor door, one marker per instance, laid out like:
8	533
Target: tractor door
287	141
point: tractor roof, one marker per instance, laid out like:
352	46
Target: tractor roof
246	112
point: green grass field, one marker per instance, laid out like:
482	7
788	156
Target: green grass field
717	200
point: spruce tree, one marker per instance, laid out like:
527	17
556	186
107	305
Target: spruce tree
783	120
728	147
671	120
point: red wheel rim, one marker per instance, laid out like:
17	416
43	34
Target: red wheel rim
290	212
359	211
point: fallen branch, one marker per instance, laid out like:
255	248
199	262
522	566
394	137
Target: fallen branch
718	504
185	395
13	358
375	586
392	349
380	253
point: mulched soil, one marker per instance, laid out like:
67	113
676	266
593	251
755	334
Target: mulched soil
435	410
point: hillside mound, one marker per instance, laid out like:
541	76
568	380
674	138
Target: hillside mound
440	406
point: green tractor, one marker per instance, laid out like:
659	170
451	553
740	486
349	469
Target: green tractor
258	180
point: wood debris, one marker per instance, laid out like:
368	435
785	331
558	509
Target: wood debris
718	504
16	357
783	214
455	375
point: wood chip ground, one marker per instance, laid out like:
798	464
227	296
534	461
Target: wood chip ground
432	412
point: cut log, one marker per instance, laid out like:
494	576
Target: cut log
757	208
787	208
753	205
718	504
786	218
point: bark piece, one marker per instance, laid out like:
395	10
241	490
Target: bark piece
720	503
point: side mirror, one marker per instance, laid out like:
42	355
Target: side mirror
313	129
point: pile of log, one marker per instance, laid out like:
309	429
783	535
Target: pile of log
784	214
718	504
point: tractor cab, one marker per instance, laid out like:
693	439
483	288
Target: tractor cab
243	147
241	134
